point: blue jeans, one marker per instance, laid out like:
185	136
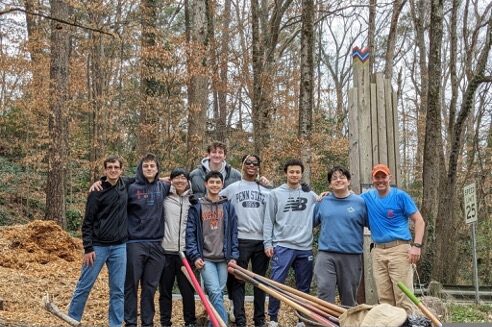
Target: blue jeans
114	256
214	276
282	260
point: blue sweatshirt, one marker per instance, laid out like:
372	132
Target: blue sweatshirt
342	224
146	208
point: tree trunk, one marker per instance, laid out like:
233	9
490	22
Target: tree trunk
446	220
57	123
95	88
418	15
198	88
35	43
213	62
371	32
306	86
390	46
148	129
433	140
265	37
223	85
259	113
452	68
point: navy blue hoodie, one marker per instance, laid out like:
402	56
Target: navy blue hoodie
146	207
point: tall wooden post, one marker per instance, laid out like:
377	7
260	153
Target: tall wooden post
373	137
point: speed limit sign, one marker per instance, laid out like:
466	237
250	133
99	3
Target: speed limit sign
470	203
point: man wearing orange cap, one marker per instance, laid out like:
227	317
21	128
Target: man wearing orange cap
394	253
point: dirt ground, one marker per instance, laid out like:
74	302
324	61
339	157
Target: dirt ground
40	258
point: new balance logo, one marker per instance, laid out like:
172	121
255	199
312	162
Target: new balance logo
298	204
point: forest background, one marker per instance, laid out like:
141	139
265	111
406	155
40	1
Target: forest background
84	79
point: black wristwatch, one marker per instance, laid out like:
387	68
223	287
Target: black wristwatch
417	245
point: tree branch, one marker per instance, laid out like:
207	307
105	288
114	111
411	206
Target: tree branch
10	10
485	79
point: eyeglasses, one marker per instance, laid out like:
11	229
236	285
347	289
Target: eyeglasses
249	162
112	167
341	177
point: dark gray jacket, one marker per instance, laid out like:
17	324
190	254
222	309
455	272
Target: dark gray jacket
197	177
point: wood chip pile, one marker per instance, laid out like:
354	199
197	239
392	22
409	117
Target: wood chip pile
40	258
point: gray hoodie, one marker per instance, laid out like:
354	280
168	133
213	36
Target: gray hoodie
176	209
289	218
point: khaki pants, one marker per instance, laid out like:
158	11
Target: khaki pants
391	266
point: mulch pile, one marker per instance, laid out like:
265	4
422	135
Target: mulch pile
37	242
40	258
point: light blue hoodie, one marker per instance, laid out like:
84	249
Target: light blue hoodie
289	218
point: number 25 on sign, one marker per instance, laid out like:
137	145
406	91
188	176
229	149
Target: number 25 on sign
470	203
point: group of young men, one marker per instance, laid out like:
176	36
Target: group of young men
216	215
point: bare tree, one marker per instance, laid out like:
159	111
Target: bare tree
265	38
95	85
223	72
418	12
433	141
58	147
306	85
371	33
339	64
150	87
446	219
390	45
198	87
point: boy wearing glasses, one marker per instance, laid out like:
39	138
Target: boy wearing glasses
104	235
145	255
248	197
342	216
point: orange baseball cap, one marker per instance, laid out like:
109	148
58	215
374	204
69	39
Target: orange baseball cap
380	168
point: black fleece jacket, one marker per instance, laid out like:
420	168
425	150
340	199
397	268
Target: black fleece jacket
105	220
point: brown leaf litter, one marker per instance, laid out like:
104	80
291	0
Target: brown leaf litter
40	257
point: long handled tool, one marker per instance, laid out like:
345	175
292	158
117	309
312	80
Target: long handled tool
198	289
319	319
328	307
419	304
221	322
51	307
312	306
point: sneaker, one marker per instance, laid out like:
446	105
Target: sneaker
300	324
273	324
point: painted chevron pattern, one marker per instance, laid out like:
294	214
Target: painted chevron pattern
361	54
